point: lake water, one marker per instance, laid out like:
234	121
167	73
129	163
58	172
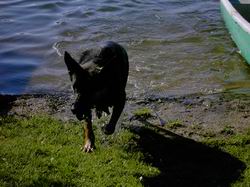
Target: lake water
175	47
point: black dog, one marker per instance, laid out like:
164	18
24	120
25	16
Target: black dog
99	80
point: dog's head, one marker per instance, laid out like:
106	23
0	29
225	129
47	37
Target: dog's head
80	81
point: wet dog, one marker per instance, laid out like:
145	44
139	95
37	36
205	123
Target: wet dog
99	80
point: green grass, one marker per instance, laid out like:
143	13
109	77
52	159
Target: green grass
237	145
42	151
143	113
174	124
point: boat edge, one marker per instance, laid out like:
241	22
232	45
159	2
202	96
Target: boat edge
236	15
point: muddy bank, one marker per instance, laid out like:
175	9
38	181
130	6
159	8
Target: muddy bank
193	116
199	116
33	104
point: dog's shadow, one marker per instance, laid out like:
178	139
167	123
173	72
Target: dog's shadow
185	162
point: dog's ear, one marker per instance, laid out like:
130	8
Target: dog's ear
73	67
71	64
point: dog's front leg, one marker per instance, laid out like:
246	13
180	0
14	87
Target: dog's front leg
89	138
117	110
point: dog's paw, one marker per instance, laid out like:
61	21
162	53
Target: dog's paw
88	147
108	129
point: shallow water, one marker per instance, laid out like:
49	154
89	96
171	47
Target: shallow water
175	47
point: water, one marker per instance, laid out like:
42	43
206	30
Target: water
175	47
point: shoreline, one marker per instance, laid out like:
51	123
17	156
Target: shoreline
194	116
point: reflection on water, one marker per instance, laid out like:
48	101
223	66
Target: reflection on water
175	47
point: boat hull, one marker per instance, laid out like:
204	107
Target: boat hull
238	28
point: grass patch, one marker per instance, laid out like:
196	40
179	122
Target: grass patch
227	130
174	124
238	145
142	113
42	151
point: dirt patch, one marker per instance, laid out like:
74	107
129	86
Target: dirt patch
33	104
198	116
193	116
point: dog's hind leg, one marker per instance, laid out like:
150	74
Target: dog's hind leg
117	110
89	137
